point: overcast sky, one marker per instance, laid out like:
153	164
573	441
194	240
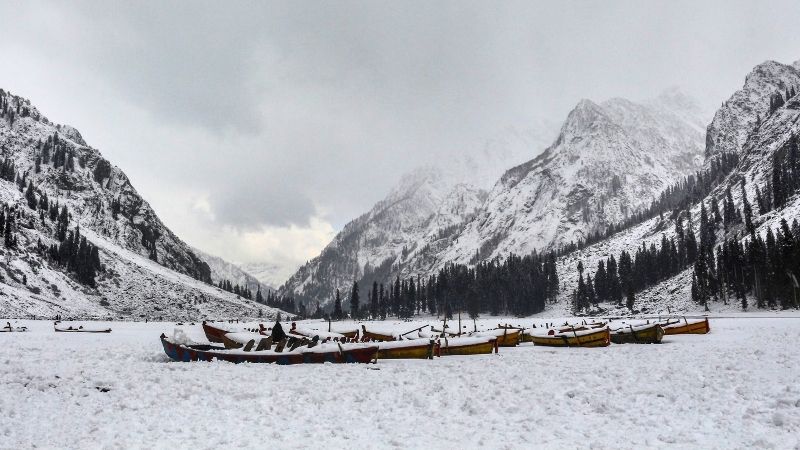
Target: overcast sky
258	129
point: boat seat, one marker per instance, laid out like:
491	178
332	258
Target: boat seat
281	345
249	345
264	344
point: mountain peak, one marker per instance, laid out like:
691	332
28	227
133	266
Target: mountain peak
582	116
735	120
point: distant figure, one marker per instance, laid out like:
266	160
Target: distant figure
277	333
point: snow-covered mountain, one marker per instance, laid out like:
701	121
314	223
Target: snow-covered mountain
224	270
425	208
269	274
609	160
743	125
148	271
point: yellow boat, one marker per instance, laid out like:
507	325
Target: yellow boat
574	338
409	349
467	346
506	337
698	326
638	334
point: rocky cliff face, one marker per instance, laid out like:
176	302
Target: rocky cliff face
741	113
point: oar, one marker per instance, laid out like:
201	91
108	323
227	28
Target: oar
416	329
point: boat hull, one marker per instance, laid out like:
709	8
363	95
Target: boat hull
633	335
210	353
686	327
422	351
80	330
482	348
509	339
600	338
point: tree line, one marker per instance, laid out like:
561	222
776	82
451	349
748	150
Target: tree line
518	285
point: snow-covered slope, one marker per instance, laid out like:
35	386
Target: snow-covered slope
111	214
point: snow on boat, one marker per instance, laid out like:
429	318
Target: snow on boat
75	328
333	353
695	326
445	332
573	338
348	332
467	346
311	333
381	336
525	333
216	330
506	337
637	334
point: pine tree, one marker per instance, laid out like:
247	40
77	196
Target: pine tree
762	209
601	282
354	301
778	188
30	196
62	225
748	212
9	230
373	301
614	285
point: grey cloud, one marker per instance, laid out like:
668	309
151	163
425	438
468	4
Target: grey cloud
282	110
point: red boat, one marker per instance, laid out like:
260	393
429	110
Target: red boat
339	353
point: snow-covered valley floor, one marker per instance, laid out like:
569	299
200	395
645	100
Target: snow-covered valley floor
737	387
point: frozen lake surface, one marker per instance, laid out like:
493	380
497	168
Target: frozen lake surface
737	387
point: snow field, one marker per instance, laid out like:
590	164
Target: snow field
733	388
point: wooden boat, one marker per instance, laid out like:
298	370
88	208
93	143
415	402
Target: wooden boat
573	338
11	329
349	333
215	332
506	337
467	346
637	334
333	353
65	328
375	336
408	349
695	326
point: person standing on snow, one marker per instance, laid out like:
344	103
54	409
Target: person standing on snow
277	333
